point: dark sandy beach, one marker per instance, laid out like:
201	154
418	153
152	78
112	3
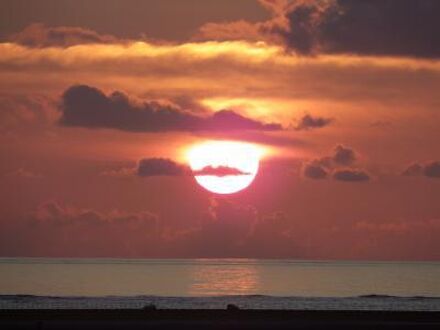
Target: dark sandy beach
215	319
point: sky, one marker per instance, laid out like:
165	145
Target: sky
100	102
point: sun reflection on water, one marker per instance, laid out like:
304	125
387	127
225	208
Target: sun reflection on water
214	280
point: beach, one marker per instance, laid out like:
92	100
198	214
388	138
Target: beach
215	319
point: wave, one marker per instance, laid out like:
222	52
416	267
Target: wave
385	296
254	296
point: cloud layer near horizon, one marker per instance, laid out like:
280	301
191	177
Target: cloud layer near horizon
225	229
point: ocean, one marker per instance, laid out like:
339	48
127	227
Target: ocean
27	283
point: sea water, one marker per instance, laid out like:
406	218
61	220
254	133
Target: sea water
214	283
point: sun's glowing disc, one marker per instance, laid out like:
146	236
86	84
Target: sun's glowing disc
224	167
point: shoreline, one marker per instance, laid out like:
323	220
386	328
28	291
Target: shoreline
216	319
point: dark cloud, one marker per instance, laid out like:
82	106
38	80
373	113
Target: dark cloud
326	162
219	171
344	155
310	122
160	167
300	34
167	167
381	27
413	170
351	175
374	27
85	106
39	35
315	171
430	169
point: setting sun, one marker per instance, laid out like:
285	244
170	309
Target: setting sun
190	163
224	167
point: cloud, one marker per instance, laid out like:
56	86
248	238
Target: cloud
315	171
344	155
24	173
430	169
232	229
351	175
271	30
238	30
26	113
84	106
381	123
226	229
55	213
223	228
365	27
40	35
310	122
376	27
413	170
380	27
302	18
262	72
397	227
123	172
167	167
160	167
55	229
276	138
396	238
219	171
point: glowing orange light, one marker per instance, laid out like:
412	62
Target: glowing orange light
237	163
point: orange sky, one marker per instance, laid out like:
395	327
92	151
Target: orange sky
82	101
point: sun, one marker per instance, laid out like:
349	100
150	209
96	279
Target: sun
224	167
